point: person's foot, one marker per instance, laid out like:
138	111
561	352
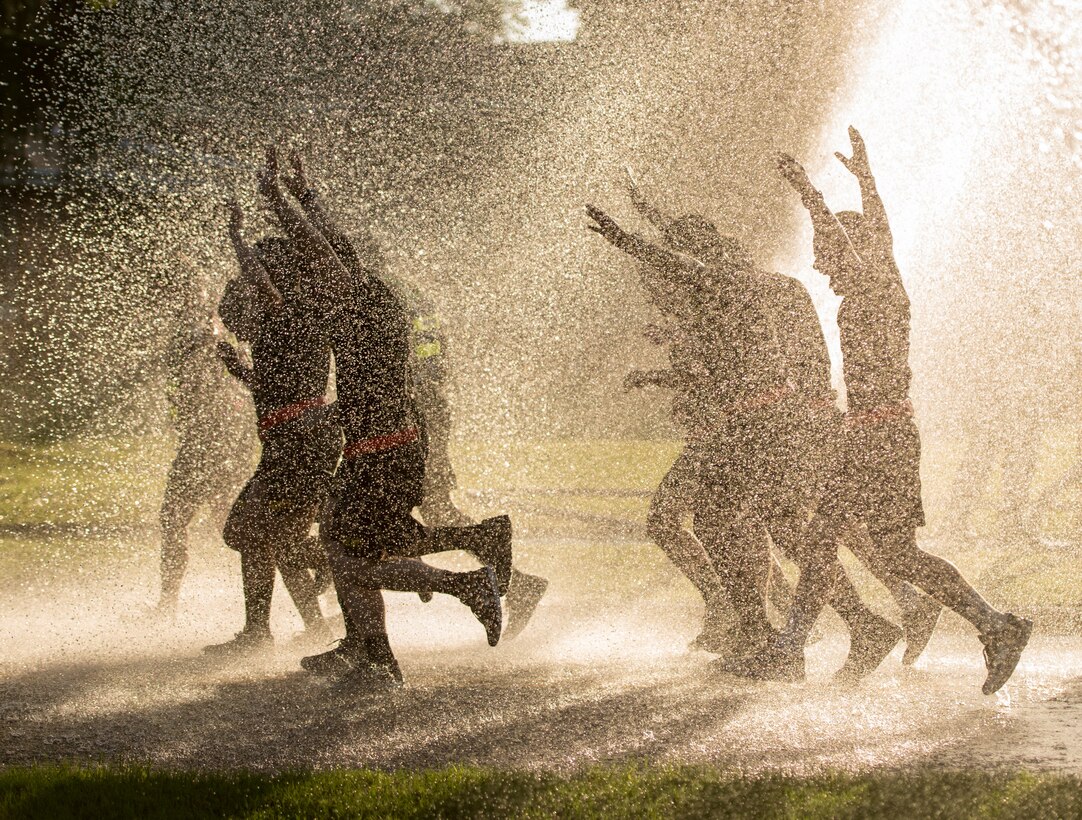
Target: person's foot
246	642
1002	649
773	663
868	647
335	662
918	624
493	548
479	592
523	596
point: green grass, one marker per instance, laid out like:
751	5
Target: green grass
641	792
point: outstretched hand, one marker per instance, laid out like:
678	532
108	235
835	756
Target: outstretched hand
858	163
795	175
268	174
603	224
297	181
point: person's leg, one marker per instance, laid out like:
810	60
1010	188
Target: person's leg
245	532
1004	635
665	525
177	510
920	612
895	549
740	555
294	561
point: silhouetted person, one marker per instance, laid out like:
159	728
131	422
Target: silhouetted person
367	527
876	482
270	521
429	374
209	415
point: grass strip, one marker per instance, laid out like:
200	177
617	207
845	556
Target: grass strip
610	792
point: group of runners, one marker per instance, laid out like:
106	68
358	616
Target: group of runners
356	465
768	457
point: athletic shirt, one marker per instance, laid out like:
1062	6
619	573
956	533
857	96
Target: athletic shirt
206	401
874	326
370	337
291	356
800	335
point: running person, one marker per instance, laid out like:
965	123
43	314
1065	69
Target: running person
366	525
428	377
213	451
876	483
428	384
270	520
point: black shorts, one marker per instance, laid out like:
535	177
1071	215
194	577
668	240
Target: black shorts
368	512
876	478
293	477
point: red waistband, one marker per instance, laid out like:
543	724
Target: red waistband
378	444
288	413
885	412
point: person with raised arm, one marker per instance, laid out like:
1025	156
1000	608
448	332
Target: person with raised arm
875	485
804	348
444	522
367	524
269	522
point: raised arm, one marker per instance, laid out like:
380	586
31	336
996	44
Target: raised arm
362	255
645	208
250	296
832	245
334	278
252	271
675	264
871	203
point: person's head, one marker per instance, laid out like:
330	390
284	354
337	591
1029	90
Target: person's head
283	264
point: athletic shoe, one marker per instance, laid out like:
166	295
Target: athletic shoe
246	642
337	661
479	592
770	664
492	547
523	596
868	647
918	624
1002	649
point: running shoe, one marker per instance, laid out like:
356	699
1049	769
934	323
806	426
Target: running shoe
523	596
246	642
480	593
1002	649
